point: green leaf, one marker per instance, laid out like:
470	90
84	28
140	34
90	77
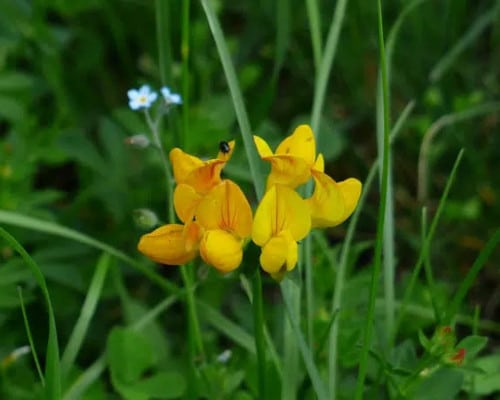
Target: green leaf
486	382
129	355
163	385
443	384
472	345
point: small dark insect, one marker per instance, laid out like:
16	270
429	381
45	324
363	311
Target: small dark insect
224	147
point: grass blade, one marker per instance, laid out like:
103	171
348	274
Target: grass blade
427	242
323	73
30	337
87	312
239	106
469	279
315	28
342	268
465	41
52	366
307	357
35	224
282	34
381	215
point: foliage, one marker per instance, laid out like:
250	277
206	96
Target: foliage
72	179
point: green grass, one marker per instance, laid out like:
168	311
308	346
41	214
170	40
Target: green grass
410	108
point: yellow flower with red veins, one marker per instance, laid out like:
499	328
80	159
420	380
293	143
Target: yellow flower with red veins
294	162
193	171
216	215
281	220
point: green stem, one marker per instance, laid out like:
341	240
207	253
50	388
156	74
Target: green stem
163	40
315	29
309	290
194	326
154	127
259	324
326	64
381	220
185	51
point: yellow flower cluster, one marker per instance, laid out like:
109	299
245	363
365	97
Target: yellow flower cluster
217	218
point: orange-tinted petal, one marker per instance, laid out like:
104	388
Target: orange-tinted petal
221	249
186	200
204	178
226	207
183	164
166	245
281	209
300	144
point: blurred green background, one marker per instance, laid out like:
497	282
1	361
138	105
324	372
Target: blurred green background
65	68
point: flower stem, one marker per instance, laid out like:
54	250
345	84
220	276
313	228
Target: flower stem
258	317
194	326
154	127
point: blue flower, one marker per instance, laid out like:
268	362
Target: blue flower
142	98
170	98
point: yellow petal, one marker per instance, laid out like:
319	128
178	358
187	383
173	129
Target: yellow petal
327	203
281	209
262	147
288	170
319	164
186	199
299	144
226	207
221	249
183	164
351	191
274	254
166	245
279	254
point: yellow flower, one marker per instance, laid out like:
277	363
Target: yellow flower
226	216
293	164
170	244
281	219
216	225
331	202
294	157
199	174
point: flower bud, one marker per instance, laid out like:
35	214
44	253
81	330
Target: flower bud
140	141
145	218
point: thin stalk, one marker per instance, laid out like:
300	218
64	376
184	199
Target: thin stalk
192	312
315	29
86	313
185	52
163	40
426	245
326	64
154	127
237	98
342	268
30	336
428	270
381	220
259	324
309	290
